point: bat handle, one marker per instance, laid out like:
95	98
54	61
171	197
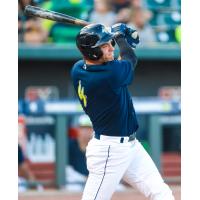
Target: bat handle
81	22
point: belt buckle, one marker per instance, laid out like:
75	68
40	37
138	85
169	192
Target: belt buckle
131	137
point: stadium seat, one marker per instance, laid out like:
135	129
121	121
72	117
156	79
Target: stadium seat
61	33
175	3
166	36
170	18
173	18
153	20
158	3
171	164
44	173
75	8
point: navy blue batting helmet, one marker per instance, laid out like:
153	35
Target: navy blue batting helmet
90	38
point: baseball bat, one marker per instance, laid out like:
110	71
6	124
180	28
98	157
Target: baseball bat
54	16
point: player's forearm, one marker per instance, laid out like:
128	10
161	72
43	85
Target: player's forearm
126	52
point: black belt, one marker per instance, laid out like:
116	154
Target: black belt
131	137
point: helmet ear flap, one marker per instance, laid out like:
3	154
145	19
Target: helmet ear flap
93	53
97	53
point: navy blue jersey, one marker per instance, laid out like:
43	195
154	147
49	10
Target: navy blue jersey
103	94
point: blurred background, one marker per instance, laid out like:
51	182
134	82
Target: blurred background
53	131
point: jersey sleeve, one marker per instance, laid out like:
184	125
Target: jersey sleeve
75	68
122	73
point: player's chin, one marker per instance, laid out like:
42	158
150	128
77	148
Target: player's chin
110	58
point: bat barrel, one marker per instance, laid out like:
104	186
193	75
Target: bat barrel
54	16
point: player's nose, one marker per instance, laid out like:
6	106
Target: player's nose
111	47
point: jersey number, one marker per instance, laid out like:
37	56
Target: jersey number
81	94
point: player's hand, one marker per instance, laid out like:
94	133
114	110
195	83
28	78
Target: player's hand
119	29
132	37
128	33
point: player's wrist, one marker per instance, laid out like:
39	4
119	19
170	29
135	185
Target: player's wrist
119	29
119	35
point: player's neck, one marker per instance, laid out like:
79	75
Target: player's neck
94	62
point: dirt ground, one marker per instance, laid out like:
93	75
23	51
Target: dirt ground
64	195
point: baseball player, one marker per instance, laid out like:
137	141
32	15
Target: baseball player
101	83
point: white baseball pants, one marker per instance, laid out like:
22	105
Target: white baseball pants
109	161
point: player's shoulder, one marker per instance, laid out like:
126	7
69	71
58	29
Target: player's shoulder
120	70
119	65
116	62
77	66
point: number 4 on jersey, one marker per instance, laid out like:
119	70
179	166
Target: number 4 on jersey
81	94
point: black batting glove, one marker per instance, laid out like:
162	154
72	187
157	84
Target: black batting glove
132	37
119	29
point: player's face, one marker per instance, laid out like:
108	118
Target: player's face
108	52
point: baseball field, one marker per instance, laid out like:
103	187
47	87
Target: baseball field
64	195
